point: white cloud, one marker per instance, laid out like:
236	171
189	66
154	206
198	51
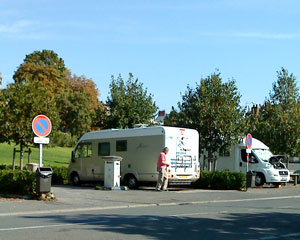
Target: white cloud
16	27
274	36
250	35
22	29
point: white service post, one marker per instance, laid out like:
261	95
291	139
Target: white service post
112	171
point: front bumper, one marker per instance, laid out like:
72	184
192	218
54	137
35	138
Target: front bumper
278	179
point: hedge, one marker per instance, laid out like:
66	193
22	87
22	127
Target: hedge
221	180
9	167
24	182
60	175
17	182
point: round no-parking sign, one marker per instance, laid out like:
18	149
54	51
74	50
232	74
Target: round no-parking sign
41	126
249	141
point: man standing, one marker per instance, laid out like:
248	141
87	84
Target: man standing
162	181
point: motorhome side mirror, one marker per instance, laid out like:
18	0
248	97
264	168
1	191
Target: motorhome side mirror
73	156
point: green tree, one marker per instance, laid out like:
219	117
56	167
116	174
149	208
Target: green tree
21	104
87	85
76	112
278	121
75	97
129	103
213	108
80	105
2	104
44	58
47	76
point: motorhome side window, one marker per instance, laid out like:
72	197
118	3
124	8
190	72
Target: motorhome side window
83	150
121	146
104	149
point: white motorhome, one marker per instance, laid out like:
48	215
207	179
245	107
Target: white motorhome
261	161
139	148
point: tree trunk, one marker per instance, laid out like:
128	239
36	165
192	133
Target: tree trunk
29	155
14	159
204	162
209	161
215	163
21	156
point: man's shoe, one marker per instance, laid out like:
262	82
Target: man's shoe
158	190
165	190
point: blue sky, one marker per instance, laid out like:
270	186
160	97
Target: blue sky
167	44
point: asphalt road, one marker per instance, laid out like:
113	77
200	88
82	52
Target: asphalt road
257	214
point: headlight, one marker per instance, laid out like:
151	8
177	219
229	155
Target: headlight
268	165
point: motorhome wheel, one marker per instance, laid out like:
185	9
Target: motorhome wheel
259	179
75	179
132	182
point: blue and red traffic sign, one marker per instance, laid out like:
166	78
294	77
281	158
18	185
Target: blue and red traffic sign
41	126
249	141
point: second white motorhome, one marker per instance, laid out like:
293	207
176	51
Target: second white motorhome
139	148
261	161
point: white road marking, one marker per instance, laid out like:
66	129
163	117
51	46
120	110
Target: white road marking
193	214
49	226
73	210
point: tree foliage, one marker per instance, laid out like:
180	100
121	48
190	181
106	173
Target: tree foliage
88	86
129	103
43	85
213	108
76	112
22	104
278	121
2	121
44	58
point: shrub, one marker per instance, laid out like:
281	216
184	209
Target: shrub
17	182
60	175
9	167
221	180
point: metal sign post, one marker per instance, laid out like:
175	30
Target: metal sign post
41	126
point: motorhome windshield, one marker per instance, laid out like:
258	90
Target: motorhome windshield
263	154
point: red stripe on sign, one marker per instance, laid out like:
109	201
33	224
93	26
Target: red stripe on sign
38	121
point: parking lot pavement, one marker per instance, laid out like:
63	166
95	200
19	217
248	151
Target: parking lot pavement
82	212
70	198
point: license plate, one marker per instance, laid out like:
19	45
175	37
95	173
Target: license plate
283	179
184	176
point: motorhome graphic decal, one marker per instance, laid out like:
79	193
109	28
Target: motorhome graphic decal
183	158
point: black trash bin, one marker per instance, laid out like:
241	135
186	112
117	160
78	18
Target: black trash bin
43	179
250	179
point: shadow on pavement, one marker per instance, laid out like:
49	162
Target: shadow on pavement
225	226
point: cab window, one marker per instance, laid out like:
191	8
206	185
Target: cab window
252	158
83	150
104	149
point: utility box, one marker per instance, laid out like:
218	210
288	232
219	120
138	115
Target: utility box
32	167
112	172
43	179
